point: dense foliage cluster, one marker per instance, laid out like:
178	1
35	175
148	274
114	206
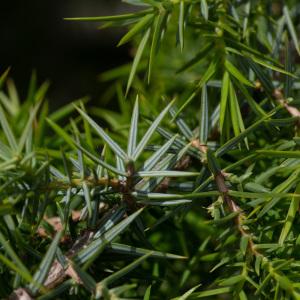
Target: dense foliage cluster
192	192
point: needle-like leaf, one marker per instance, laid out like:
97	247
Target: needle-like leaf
165	173
148	293
293	209
115	276
183	127
236	73
40	275
111	143
291	28
152	161
62	133
224	96
100	161
87	280
137	59
204	9
90	252
133	251
28	127
203	127
132	138
236	117
142	144
234	141
4	76
14	257
214	292
201	55
158	29
138	27
87	197
211	70
8	131
112	18
181	24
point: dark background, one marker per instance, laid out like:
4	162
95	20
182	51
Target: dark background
34	36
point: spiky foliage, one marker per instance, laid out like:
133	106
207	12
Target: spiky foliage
212	175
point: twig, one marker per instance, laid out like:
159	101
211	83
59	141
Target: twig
20	294
58	273
278	95
90	181
230	203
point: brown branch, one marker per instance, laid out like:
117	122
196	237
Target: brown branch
58	273
90	181
280	99
230	203
20	294
181	165
128	187
293	111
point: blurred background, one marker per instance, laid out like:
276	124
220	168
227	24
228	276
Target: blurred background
71	55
